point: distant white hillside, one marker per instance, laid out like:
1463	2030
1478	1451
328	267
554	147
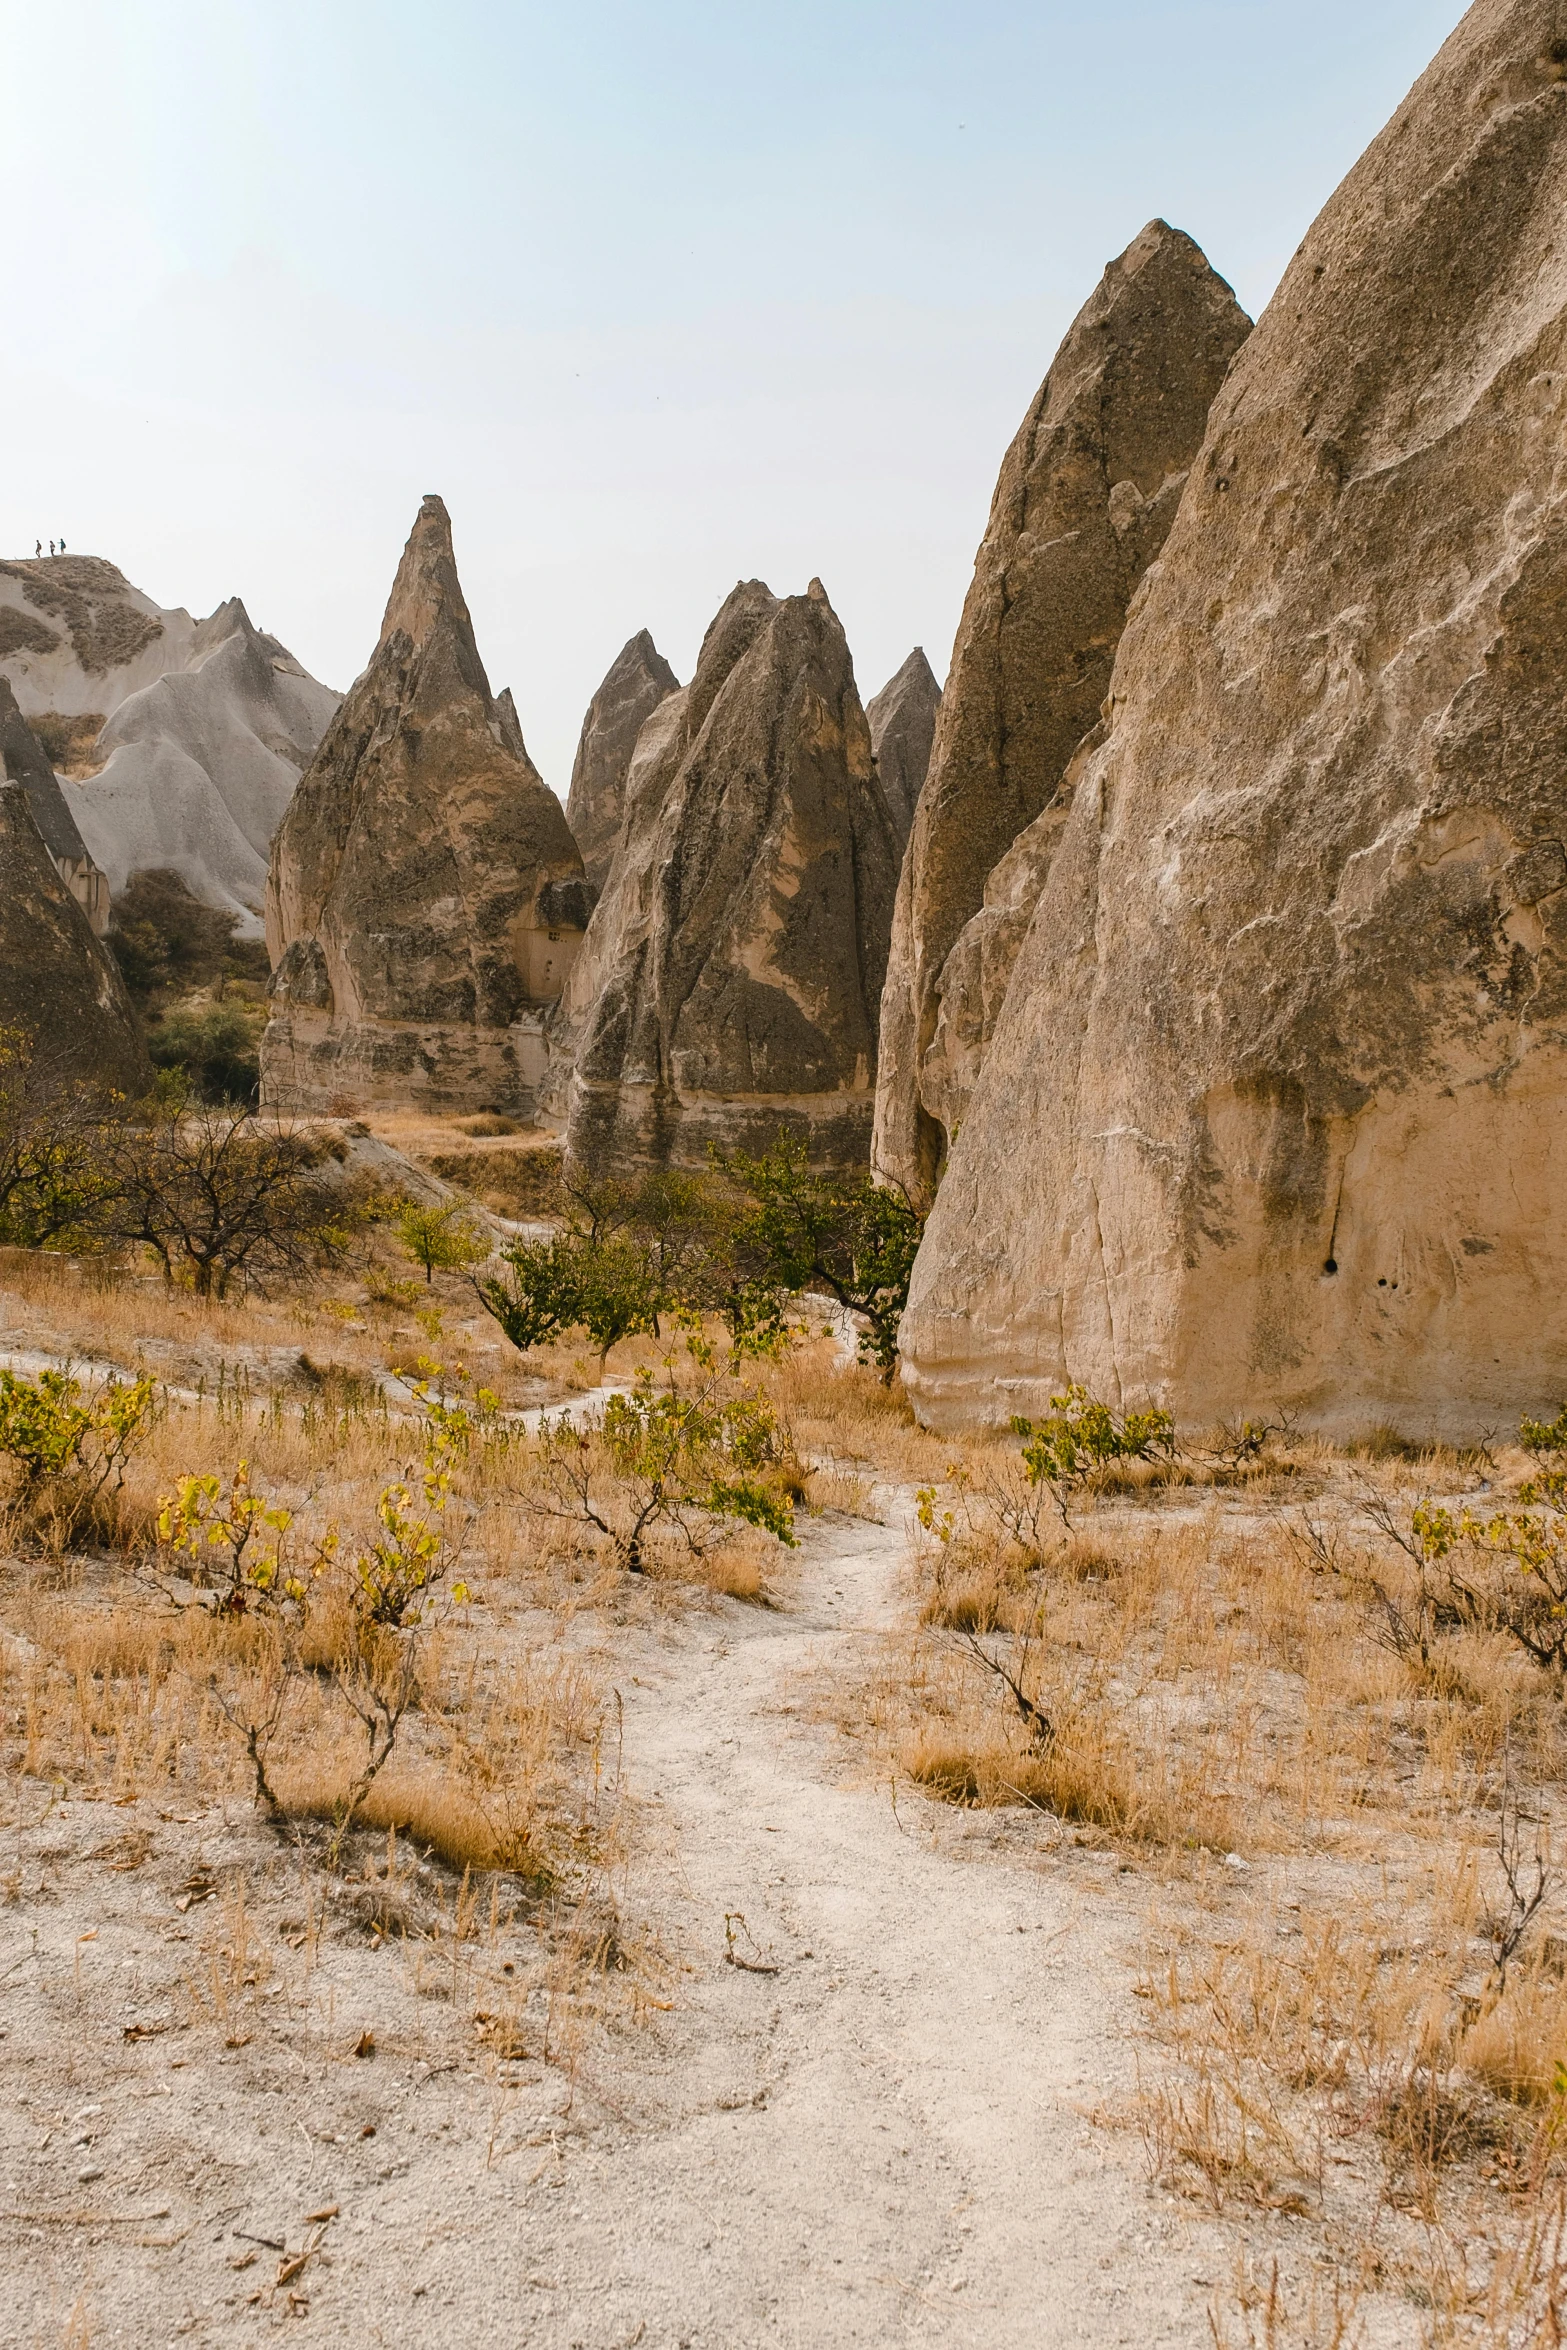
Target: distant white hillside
179	741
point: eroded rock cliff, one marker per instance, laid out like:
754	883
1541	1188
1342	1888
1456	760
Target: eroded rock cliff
1274	1110
24	761
1087	491
58	982
425	895
729	981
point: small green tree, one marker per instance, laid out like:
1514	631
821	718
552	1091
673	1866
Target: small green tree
537	1297
855	1238
1079	1438
662	1456
441	1239
619	1291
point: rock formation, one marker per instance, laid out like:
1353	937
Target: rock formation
902	720
638	679
58	982
182	740
76	638
729	981
24	761
426	896
199	766
1087	492
1273	1114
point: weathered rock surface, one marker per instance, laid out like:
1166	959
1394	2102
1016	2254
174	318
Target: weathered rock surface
1086	494
1274	1112
182	740
729	981
199	766
638	679
58	981
902	720
24	761
426	895
76	638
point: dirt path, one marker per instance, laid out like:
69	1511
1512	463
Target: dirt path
885	2141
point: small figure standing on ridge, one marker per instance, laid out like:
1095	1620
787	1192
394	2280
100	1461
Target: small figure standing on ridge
51	546
62	546
38	546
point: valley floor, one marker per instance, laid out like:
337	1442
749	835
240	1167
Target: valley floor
888	2139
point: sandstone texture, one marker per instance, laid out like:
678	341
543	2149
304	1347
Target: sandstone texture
638	679
902	720
729	980
426	896
181	740
24	761
1087	492
1274	1111
58	981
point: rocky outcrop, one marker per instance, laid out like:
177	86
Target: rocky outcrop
729	981
638	679
902	720
24	761
426	896
76	638
1087	492
58	982
198	767
1273	1114
181	740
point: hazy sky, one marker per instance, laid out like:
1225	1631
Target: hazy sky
656	296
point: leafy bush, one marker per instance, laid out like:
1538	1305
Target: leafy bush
216	1045
166	940
1079	1438
237	1548
1506	1568
70	1444
857	1239
52	1173
692	1460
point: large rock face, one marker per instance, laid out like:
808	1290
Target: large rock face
1087	492
58	981
729	981
24	761
638	679
426	896
1274	1112
198	767
902	720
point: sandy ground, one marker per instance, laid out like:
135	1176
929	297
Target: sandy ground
887	2140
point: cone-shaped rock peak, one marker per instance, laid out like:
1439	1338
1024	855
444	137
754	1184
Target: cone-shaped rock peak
1272	1116
902	720
638	679
425	895
729	982
1087	491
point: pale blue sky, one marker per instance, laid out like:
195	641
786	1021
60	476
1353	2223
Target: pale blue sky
657	297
